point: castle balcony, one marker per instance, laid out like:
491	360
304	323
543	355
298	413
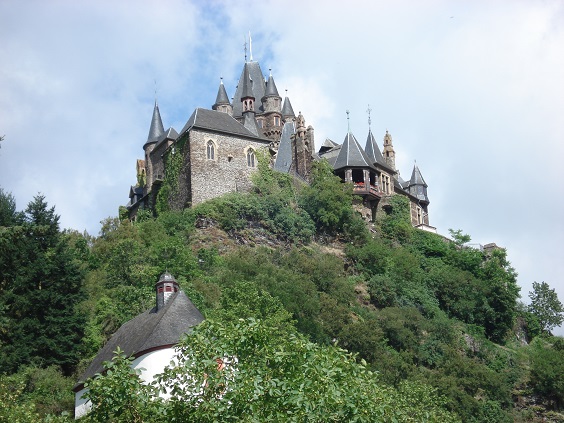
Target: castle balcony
370	190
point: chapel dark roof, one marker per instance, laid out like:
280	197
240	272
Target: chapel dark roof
157	128
284	156
150	330
258	88
352	155
218	122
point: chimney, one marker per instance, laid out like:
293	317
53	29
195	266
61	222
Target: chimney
165	287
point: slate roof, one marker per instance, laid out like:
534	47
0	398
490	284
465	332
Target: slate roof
247	84
416	177
284	157
352	155
327	145
373	152
150	330
157	128
258	88
222	97
217	121
170	134
287	110
271	90
418	186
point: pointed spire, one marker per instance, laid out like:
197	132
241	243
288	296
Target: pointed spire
287	110
247	84
271	90
157	129
418	186
222	97
372	150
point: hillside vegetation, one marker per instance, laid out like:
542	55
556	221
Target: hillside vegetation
324	317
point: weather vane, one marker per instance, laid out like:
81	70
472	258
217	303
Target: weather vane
348	121
369	119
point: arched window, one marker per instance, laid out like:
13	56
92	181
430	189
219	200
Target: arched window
251	159
210	150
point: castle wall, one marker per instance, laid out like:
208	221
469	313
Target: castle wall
227	172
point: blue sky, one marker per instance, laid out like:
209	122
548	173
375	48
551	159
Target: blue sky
471	90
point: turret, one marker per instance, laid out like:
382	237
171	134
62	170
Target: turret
165	288
156	131
418	187
389	153
222	103
272	106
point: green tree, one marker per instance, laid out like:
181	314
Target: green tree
8	214
41	287
546	306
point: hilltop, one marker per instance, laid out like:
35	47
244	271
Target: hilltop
435	329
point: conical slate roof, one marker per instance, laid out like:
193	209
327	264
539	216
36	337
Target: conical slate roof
418	186
284	156
416	177
258	88
372	150
287	110
247	84
271	90
157	128
221	95
352	155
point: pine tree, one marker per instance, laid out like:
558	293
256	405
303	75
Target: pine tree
41	284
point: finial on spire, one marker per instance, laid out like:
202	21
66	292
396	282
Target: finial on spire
250	47
369	119
221	80
348	122
245	46
270	70
155	91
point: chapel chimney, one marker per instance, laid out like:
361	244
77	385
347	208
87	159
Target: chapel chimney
165	288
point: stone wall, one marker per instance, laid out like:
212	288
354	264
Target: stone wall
227	172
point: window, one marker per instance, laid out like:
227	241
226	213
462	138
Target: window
419	215
251	158
276	121
385	182
211	150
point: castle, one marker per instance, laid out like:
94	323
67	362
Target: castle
215	154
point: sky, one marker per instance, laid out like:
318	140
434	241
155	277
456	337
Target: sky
473	91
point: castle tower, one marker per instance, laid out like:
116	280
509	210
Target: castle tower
156	131
165	288
222	103
272	106
389	153
418	188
